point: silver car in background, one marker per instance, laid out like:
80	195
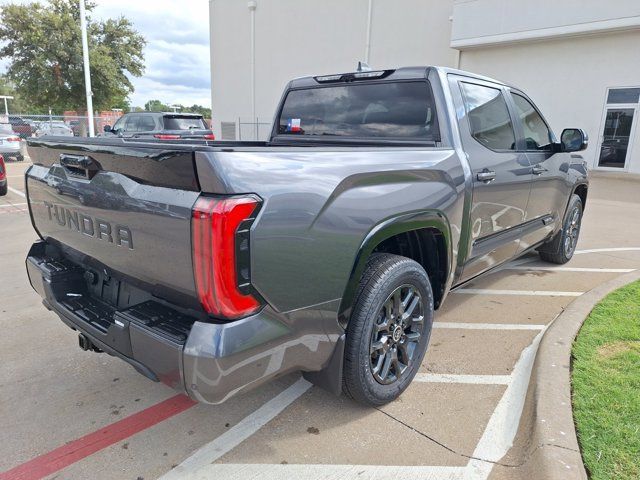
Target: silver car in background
9	143
55	128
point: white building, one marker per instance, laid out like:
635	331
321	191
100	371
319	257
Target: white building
578	59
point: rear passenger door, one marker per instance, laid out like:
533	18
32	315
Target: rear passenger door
549	189
501	174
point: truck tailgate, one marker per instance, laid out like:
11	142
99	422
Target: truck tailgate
127	210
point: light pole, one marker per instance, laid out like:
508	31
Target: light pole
87	72
6	97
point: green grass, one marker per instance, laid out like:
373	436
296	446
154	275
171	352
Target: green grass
606	386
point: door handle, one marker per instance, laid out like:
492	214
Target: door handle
486	175
538	170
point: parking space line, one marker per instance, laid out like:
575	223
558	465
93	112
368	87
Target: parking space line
488	326
76	450
603	250
238	433
13	205
16	191
573	269
501	429
541	293
232	471
471	379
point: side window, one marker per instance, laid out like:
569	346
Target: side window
536	133
489	118
146	123
131	124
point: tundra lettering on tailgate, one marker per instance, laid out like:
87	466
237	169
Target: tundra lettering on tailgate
92	227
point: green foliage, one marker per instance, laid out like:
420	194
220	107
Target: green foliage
44	49
606	386
156	106
17	105
159	106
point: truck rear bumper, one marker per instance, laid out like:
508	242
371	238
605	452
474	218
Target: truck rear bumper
210	362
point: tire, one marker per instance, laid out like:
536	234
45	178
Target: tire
562	246
4	189
383	355
20	158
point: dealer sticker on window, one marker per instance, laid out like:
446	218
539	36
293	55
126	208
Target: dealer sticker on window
293	125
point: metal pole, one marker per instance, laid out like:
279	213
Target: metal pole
6	109
367	47
252	8
87	72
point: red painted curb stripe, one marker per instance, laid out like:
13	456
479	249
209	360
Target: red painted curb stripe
76	450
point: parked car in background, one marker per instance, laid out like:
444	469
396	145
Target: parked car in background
75	127
3	178
55	128
20	126
163	126
9	142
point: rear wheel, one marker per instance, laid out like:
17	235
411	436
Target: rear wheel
3	189
561	247
389	329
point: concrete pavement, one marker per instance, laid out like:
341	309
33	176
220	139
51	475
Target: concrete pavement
455	423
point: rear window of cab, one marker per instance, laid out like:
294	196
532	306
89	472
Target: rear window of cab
385	110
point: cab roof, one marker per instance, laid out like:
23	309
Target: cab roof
402	73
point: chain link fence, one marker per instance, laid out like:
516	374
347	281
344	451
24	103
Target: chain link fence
30	125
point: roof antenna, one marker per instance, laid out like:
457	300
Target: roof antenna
363	67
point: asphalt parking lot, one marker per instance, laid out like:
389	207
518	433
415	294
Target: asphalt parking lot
69	414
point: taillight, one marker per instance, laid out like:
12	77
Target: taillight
2	168
165	136
220	235
210	136
13	139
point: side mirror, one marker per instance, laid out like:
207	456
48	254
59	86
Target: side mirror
106	128
573	140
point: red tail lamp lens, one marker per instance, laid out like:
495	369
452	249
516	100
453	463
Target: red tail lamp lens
162	136
215	229
210	136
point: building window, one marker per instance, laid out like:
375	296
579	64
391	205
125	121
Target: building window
623	95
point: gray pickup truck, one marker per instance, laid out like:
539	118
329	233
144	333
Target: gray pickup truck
216	266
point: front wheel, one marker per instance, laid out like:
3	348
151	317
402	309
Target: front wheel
388	331
562	246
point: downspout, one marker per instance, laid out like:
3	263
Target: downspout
367	47
252	5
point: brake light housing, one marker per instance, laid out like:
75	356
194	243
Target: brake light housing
210	136
220	233
3	173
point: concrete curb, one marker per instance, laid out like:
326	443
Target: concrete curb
546	445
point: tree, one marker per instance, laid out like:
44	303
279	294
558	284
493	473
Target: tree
44	49
17	105
159	106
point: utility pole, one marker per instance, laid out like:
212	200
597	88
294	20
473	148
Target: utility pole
87	72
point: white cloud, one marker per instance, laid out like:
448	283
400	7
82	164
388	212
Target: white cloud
177	52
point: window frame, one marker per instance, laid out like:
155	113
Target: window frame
522	140
508	105
412	141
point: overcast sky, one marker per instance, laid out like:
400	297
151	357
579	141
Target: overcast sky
177	52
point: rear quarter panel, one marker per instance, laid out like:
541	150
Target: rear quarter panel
320	205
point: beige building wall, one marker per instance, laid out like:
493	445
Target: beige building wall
563	54
304	37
